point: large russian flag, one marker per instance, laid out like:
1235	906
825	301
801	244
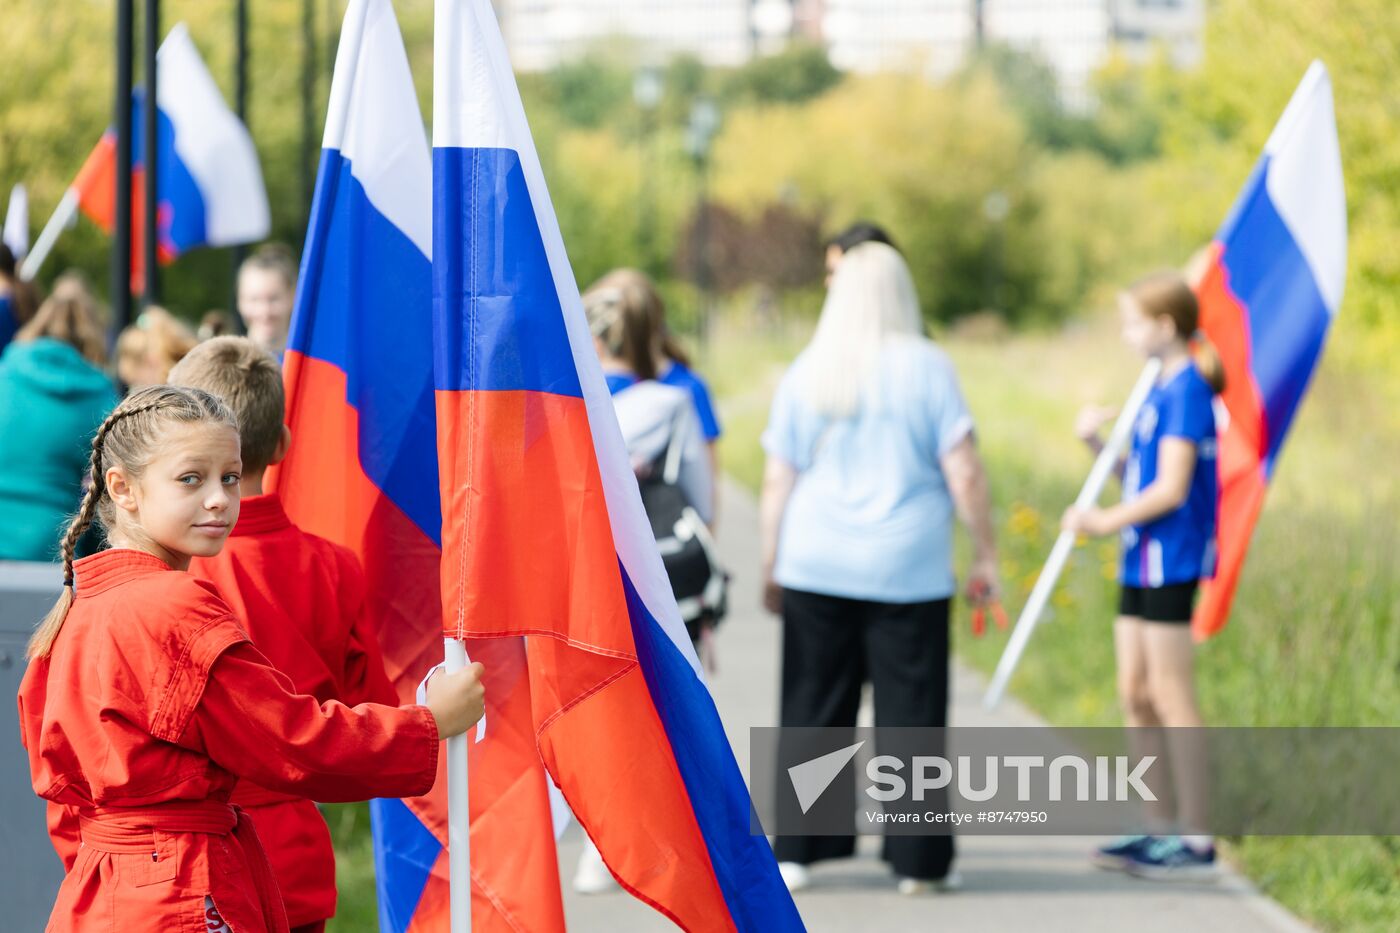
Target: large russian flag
363	471
545	535
1271	290
210	188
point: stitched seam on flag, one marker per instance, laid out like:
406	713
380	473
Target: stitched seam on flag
635	892
490	893
571	642
471	401
581	697
496	902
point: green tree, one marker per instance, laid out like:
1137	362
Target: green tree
1031	88
796	74
921	159
590	91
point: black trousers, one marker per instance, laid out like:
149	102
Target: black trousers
831	646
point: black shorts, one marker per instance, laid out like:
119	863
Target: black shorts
1170	603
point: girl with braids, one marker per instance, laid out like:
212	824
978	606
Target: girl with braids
1166	522
145	703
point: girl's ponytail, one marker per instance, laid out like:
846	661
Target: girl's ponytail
41	642
1208	361
1167	294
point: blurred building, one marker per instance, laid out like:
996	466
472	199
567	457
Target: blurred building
543	33
1076	36
935	36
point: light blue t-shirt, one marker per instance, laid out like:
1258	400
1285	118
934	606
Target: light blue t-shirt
871	516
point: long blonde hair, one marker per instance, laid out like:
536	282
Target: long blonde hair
130	439
871	300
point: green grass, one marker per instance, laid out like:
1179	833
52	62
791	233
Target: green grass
357	909
1313	639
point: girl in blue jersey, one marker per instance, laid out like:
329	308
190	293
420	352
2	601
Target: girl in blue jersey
672	363
1167	525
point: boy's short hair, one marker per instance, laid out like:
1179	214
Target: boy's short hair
249	381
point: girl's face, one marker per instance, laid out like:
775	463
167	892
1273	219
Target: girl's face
185	502
1148	335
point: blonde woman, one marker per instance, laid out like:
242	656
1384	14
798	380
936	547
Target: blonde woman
871	451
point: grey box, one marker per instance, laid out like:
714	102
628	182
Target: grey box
30	872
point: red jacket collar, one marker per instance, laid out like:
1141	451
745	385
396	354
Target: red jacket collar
261	514
113	567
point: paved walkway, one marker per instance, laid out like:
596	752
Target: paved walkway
1039	883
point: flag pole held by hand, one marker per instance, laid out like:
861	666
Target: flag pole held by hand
1064	544
458	816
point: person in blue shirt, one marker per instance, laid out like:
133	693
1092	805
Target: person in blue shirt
672	363
1166	522
649	412
870	456
16	298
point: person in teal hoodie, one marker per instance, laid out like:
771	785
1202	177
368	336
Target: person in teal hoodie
53	396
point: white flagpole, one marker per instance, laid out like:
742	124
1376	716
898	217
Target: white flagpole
62	215
458	816
448	62
1064	544
16	235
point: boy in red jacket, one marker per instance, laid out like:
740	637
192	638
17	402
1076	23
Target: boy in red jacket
302	601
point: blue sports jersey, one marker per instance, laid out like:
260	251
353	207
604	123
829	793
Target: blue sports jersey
619	381
1178	547
677	374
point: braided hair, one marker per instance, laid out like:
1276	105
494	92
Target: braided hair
129	438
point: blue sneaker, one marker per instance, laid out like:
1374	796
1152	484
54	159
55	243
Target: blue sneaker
1116	855
1171	859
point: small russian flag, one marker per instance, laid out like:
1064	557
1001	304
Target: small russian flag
210	191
